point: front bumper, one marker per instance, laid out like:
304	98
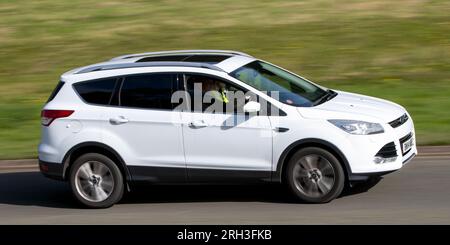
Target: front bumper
365	176
361	151
52	170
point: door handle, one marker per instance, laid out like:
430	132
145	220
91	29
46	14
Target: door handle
118	120
281	129
198	124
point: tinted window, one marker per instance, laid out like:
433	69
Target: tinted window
147	91
55	91
96	92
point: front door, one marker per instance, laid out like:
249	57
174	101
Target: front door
227	145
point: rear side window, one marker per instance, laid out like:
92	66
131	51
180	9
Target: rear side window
55	91
153	91
96	92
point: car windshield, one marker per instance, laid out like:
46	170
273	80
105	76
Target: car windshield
289	88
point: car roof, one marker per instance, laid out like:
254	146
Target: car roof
173	52
217	60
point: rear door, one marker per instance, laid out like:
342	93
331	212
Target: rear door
144	128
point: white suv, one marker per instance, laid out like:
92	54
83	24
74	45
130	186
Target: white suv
214	116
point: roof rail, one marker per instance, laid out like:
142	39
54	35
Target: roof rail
194	51
146	64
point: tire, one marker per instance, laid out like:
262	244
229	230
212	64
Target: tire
314	175
96	181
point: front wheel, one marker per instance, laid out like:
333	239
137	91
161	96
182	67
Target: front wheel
315	175
96	181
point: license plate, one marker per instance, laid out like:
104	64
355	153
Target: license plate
407	145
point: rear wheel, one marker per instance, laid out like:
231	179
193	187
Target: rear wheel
96	181
315	175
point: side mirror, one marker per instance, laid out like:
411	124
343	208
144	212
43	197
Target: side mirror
252	107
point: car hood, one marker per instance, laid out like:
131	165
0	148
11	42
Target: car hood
355	107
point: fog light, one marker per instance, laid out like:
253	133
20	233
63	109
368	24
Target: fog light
381	160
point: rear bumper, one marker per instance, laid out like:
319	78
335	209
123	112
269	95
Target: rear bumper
52	170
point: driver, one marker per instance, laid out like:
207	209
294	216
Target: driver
216	89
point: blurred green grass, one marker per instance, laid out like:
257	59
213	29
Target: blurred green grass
398	50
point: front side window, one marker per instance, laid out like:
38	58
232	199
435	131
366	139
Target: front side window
96	92
152	91
279	84
211	94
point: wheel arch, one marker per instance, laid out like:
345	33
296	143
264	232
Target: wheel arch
310	142
94	147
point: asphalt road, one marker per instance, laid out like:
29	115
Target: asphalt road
417	194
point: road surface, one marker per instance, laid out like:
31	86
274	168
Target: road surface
418	194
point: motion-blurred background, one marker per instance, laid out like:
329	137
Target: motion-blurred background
398	50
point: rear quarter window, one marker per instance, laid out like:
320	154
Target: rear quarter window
55	91
96	92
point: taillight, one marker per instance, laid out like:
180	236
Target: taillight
48	116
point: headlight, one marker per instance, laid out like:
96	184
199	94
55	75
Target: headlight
358	127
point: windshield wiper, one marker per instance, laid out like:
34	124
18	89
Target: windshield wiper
328	96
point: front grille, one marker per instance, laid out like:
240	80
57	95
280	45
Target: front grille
403	139
387	151
399	121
